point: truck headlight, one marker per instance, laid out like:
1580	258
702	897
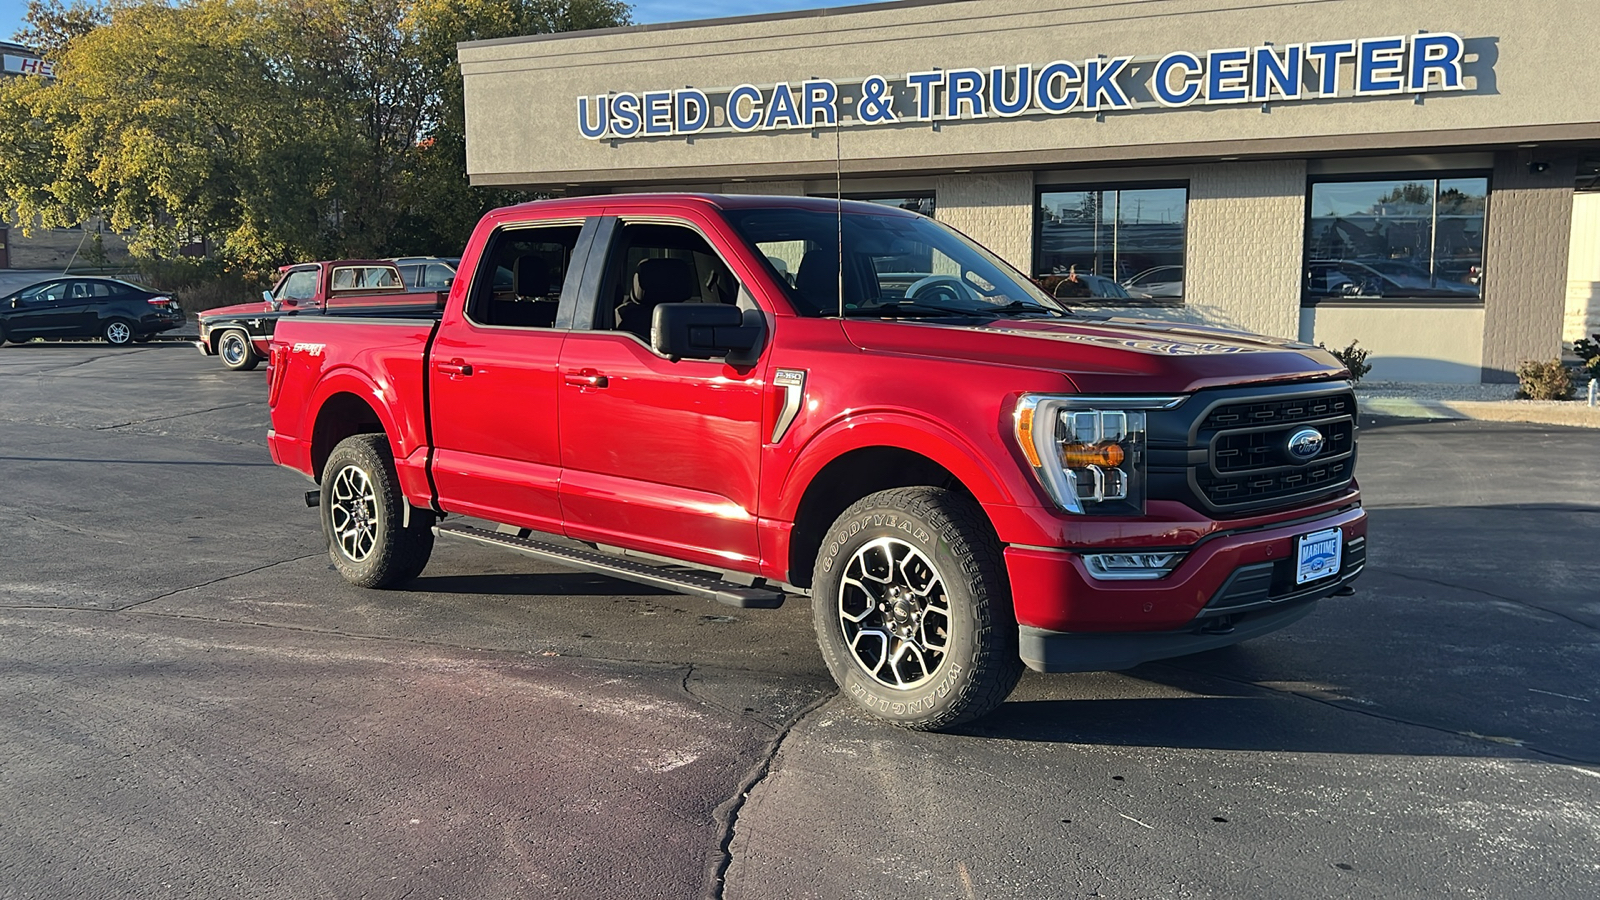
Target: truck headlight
1088	452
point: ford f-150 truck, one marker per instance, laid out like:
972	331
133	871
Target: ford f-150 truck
747	398
240	334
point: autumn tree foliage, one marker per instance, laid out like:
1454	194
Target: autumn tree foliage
275	129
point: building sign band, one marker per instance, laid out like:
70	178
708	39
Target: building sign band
1404	64
26	65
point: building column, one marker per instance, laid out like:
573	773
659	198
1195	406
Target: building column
1245	249
1525	259
994	210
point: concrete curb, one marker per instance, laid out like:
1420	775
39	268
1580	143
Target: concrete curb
1544	412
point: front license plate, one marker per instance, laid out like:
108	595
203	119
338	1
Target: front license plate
1318	555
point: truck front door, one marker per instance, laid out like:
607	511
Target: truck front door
493	380
658	455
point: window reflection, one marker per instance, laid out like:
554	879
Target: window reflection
1117	247
1417	238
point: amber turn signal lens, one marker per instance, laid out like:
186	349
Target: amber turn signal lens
1106	455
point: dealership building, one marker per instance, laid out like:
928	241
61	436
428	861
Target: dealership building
1420	177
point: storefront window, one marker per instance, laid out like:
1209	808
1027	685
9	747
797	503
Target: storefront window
1114	247
1396	239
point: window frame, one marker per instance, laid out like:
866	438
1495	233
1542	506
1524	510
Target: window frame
1434	175
1039	190
570	281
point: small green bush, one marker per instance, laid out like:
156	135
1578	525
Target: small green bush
1540	380
1588	350
1354	359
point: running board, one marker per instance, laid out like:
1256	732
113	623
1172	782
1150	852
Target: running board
682	582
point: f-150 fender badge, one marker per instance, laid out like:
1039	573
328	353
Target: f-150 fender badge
308	349
793	382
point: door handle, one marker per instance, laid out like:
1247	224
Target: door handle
453	367
586	378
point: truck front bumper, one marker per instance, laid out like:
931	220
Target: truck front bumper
1229	588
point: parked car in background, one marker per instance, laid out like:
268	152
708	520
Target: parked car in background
1082	287
239	334
1158	282
427	273
117	311
1380	278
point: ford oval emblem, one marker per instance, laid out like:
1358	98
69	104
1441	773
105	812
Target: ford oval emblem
1305	444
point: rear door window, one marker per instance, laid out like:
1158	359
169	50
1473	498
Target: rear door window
522	276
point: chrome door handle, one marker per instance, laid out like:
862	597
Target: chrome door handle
587	378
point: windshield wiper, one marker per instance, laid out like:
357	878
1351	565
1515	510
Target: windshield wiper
928	310
908	308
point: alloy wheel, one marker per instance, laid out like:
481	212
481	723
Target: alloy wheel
354	513
895	613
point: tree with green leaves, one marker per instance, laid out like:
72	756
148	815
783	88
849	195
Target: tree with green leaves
275	130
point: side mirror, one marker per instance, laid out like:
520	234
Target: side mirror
267	296
703	331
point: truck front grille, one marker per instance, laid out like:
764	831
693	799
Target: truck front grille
1227	451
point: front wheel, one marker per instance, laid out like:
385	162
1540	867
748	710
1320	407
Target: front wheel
362	511
912	609
117	333
235	350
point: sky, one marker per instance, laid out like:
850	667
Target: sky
645	12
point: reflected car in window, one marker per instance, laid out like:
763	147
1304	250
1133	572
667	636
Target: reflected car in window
427	273
1158	282
1380	278
118	312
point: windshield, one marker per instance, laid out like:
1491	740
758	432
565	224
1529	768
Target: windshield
892	266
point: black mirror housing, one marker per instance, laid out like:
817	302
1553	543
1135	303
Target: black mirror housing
701	331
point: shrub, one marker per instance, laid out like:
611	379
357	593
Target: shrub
1539	380
202	284
1354	359
1588	350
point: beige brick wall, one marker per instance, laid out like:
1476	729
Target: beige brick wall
1245	245
1525	260
994	210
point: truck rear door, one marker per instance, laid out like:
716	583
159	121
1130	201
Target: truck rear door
658	455
493	380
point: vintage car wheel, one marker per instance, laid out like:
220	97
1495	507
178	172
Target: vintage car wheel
235	350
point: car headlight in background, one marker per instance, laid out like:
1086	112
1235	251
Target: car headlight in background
1089	452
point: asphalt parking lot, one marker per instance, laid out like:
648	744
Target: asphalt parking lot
195	706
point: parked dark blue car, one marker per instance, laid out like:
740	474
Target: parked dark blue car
84	307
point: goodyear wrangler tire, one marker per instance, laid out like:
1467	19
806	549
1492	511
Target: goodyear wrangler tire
362	510
912	609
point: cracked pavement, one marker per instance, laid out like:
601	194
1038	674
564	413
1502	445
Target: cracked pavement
197	707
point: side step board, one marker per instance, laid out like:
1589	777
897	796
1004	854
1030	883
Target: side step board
676	580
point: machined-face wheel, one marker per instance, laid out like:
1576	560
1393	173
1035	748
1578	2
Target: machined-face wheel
912	608
118	333
894	613
353	513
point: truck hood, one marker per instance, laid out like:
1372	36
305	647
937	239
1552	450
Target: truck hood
1106	355
257	308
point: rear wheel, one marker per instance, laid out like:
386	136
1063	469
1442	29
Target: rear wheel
913	611
118	333
235	350
362	512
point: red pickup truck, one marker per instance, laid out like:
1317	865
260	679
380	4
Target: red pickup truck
240	334
747	398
